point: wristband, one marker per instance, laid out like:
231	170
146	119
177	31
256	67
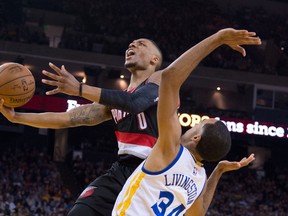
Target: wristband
80	89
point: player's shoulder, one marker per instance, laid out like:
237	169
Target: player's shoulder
155	77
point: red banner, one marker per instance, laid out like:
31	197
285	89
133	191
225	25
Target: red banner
53	104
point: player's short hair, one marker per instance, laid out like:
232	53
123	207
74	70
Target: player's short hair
158	66
215	142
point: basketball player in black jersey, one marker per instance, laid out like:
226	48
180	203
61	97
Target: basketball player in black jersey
136	127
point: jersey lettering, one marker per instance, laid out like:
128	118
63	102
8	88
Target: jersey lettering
160	209
142	123
118	115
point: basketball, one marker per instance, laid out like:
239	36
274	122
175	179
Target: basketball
17	84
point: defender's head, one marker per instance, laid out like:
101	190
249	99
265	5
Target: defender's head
210	140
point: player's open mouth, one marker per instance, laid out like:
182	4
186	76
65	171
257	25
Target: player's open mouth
130	52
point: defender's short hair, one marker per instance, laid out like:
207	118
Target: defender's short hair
215	142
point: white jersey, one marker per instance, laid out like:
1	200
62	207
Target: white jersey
168	192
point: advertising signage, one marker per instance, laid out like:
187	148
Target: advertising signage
242	126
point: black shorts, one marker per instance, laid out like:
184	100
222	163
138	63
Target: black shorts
101	194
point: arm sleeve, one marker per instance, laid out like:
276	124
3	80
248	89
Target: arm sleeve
135	102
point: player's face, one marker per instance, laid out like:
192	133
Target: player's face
139	54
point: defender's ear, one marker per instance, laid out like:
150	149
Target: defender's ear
196	138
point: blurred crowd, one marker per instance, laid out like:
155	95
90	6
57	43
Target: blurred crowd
109	26
252	193
30	183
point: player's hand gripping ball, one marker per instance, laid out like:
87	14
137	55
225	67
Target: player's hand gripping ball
17	84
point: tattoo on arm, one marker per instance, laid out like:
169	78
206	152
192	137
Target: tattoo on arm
91	114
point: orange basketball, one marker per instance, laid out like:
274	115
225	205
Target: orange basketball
17	84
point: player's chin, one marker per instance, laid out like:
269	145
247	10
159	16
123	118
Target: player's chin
130	64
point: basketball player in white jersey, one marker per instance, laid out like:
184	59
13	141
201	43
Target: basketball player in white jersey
172	179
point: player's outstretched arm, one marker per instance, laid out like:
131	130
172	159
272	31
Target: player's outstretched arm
90	114
174	76
177	72
201	205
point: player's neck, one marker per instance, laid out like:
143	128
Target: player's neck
137	77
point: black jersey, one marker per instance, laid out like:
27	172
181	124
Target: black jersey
137	133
